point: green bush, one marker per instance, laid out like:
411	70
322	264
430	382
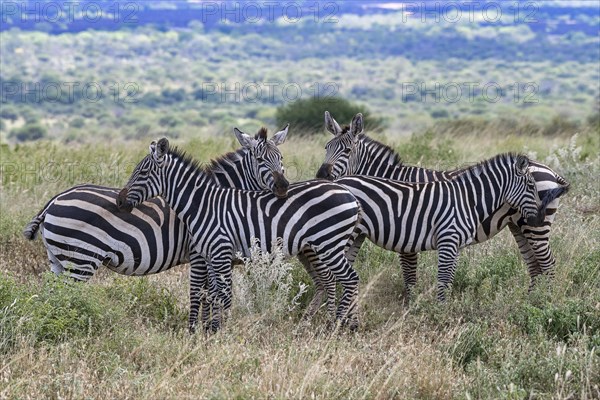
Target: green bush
559	321
29	132
9	112
77	122
491	273
430	150
307	115
561	125
155	305
60	309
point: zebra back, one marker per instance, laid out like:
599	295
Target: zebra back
351	152
411	217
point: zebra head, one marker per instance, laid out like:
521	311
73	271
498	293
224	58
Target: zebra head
146	179
522	194
341	150
264	160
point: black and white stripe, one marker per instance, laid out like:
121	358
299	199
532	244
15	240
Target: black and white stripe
315	221
441	215
352	153
82	228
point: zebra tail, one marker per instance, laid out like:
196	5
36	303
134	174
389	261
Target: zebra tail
33	227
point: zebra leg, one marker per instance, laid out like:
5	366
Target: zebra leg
336	263
539	241
408	261
55	265
348	309
221	264
353	246
527	253
323	277
317	299
447	258
198	290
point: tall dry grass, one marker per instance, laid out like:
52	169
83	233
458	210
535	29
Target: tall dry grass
125	337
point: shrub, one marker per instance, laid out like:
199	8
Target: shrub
430	150
60	310
307	115
152	303
439	114
77	123
561	125
9	112
559	321
28	132
264	284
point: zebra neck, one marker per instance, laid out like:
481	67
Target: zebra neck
184	180
375	159
411	173
482	196
232	171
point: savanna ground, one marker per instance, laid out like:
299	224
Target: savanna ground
126	337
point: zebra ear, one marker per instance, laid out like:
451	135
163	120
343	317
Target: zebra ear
332	125
161	148
522	164
356	126
279	137
245	140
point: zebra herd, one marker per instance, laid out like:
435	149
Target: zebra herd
174	211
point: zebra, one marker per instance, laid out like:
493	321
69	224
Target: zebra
315	220
351	152
82	228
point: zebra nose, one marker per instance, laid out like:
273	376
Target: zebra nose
535	220
325	172
281	185
122	203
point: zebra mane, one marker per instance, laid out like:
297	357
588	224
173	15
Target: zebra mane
475	170
187	159
391	154
217	164
262	134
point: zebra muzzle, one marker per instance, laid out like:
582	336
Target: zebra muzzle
536	221
122	203
280	186
325	172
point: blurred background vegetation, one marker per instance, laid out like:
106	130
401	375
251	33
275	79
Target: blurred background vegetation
183	69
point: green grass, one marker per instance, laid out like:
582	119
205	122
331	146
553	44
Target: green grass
126	337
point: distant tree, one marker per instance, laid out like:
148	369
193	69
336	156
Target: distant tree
439	114
77	122
28	132
307	115
560	125
169	121
9	112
